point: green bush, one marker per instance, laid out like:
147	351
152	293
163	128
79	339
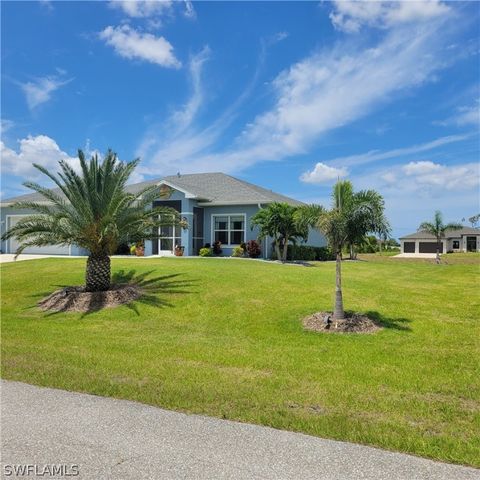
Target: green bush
323	254
308	253
238	252
205	252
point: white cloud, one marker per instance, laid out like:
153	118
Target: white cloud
40	149
449	177
431	178
184	117
465	115
40	90
326	90
142	8
350	16
189	10
176	137
46	4
130	43
153	10
376	155
6	125
333	88
323	174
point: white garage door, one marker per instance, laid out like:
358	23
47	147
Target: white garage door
46	250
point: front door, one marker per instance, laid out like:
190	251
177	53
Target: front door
169	237
471	244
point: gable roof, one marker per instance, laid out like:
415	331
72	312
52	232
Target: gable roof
207	188
221	189
448	234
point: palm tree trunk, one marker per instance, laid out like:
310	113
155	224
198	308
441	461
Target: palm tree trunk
338	312
97	276
437	258
285	250
277	250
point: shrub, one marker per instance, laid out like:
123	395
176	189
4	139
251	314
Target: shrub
238	252
133	249
205	252
253	249
322	254
122	249
217	248
301	252
308	253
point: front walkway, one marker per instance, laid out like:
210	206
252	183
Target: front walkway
10	257
116	439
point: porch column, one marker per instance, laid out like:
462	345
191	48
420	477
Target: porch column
417	246
187	234
148	247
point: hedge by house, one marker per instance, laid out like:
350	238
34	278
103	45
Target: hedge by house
309	253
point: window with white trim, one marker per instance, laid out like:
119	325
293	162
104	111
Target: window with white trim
229	229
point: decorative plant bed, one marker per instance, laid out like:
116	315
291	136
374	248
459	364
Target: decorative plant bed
76	299
353	323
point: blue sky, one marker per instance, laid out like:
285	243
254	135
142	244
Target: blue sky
288	95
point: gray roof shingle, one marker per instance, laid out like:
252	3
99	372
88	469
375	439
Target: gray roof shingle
208	188
448	234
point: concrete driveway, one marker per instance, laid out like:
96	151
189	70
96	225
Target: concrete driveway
104	438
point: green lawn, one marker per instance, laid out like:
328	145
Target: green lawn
223	337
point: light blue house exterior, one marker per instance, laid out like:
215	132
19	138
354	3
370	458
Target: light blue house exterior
216	206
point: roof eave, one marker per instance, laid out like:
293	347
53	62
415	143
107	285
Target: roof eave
176	187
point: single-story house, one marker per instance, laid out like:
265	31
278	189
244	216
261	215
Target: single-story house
466	239
217	207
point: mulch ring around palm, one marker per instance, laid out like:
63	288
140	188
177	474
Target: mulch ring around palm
76	299
353	323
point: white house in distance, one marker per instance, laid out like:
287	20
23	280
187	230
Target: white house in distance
467	239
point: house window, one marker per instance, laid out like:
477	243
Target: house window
229	229
456	244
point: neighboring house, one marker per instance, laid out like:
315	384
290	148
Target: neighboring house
216	206
466	239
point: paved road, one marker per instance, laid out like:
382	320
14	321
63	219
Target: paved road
118	439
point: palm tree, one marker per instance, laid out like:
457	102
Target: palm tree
278	221
95	212
374	221
438	229
351	217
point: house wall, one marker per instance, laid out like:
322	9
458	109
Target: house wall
464	242
447	243
422	240
462	245
248	210
315	238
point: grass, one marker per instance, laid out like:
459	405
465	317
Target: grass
224	338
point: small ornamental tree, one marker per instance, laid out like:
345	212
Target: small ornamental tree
279	221
437	228
351	216
92	210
